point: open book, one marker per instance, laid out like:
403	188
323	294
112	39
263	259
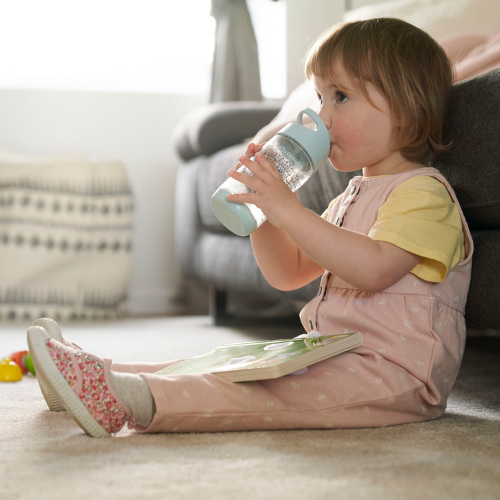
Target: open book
265	359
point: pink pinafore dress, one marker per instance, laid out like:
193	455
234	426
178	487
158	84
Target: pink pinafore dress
413	343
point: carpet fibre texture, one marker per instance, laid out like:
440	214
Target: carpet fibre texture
45	455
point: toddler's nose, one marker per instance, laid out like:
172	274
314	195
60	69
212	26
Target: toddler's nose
325	117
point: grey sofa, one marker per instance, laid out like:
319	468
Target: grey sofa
210	139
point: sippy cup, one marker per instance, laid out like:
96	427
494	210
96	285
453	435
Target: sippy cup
295	152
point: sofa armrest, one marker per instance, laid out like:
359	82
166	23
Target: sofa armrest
216	126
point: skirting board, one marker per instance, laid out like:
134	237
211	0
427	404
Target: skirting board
155	301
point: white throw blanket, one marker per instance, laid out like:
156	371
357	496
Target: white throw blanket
65	237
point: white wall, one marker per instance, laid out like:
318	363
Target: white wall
305	21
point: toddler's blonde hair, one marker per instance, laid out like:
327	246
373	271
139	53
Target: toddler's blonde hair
405	64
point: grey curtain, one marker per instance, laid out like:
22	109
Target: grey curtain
235	73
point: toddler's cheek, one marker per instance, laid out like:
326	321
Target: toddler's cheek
349	132
349	141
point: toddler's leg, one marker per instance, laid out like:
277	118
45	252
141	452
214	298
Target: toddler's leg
53	330
100	401
134	392
142	367
354	389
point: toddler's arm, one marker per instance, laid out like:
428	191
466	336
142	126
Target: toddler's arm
367	264
301	244
281	261
284	265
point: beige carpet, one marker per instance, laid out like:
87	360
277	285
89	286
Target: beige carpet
45	455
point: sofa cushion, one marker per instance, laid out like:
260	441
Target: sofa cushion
66	237
481	310
472	165
438	17
213	127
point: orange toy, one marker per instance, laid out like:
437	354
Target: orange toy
24	361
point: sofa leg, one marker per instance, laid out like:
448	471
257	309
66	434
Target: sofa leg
217	306
220	317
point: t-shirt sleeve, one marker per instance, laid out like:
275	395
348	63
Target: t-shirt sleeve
324	215
420	216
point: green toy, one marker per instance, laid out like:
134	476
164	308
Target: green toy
24	361
29	364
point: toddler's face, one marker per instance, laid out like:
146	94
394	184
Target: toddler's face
360	135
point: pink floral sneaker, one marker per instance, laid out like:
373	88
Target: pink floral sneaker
54	332
81	383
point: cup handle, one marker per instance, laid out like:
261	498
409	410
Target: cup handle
315	117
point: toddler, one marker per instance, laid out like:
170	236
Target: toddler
393	251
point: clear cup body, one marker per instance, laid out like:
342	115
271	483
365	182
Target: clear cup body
288	158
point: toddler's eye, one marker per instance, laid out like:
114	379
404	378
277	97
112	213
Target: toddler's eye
341	98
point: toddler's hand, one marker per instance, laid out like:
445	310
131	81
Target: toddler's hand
267	190
250	151
255	148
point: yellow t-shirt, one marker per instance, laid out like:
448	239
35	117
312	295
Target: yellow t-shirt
420	216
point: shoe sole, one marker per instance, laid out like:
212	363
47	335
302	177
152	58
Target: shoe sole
54	332
55	381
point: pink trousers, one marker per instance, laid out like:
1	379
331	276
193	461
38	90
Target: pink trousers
354	389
